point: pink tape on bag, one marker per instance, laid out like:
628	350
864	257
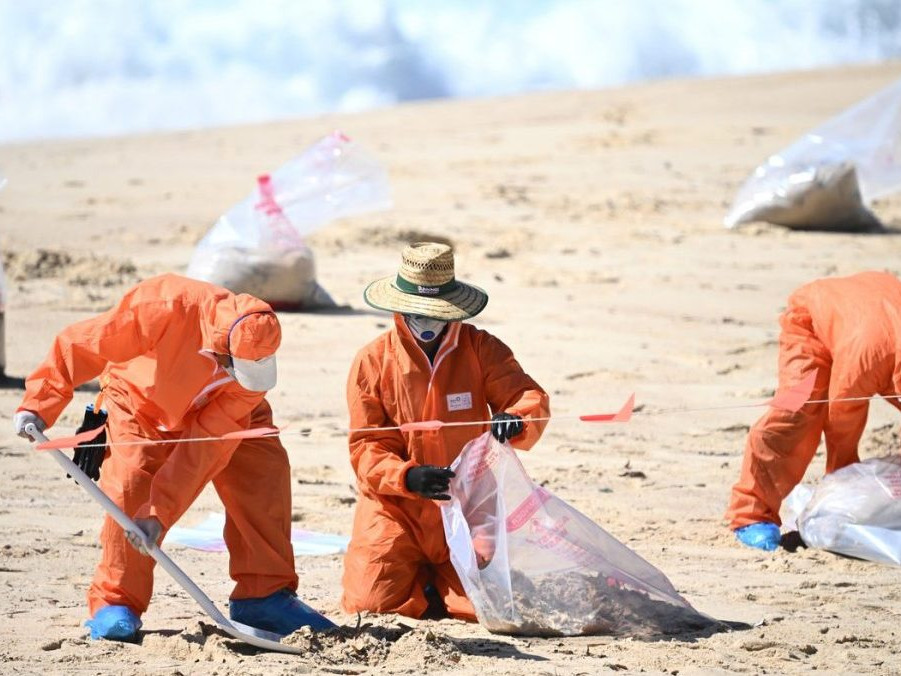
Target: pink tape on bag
795	396
521	515
267	203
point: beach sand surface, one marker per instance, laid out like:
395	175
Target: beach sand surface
593	219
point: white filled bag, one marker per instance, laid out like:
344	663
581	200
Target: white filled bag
533	565
826	179
3	301
854	511
258	246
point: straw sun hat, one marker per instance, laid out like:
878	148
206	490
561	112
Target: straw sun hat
425	285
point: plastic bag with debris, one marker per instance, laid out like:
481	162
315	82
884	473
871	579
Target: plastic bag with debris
854	511
2	306
533	565
258	246
825	179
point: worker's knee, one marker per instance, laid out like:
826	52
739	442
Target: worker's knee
379	581
388	589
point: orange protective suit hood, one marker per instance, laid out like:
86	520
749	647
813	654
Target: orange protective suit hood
251	339
241	326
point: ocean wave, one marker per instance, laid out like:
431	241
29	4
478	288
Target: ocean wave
106	67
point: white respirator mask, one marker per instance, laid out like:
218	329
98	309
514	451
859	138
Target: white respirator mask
425	329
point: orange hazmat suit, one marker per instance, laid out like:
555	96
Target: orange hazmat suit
849	329
398	542
154	354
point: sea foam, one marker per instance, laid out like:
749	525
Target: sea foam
106	67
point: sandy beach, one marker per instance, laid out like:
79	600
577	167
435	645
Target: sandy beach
593	220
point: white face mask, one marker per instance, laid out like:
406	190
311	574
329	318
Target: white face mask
425	328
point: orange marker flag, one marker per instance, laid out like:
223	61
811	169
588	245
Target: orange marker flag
69	442
795	396
623	415
252	433
90	435
422	425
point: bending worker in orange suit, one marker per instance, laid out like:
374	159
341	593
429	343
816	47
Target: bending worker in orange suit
180	359
849	329
428	366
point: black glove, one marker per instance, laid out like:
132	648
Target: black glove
429	481
505	426
89	459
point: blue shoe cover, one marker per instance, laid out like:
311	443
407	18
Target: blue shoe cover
114	623
281	613
763	535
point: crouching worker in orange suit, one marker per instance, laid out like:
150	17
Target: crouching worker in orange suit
180	359
429	366
849	329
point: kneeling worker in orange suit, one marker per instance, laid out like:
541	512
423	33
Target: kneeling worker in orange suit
429	366
180	359
849	329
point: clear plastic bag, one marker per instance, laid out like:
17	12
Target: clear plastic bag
257	247
2	321
825	179
854	511
2	306
533	565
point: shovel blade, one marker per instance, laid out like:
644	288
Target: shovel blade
252	631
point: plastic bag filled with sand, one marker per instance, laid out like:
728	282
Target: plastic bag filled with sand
258	246
827	179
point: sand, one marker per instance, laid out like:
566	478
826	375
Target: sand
594	221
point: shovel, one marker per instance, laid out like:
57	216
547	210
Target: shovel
250	635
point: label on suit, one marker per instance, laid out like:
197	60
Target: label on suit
460	401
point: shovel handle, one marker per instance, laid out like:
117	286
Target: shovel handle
128	525
259	638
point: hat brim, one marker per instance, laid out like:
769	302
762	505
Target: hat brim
464	302
256	376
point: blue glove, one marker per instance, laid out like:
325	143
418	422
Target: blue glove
763	535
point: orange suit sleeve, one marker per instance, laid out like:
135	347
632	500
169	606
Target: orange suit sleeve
508	388
192	465
82	350
377	457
